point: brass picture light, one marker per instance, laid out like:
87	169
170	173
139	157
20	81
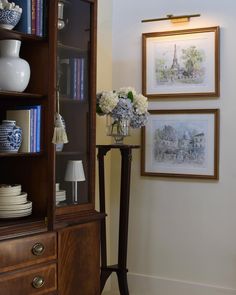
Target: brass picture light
172	18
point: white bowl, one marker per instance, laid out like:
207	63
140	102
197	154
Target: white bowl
10	190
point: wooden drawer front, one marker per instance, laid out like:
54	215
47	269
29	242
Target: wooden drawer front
27	251
21	282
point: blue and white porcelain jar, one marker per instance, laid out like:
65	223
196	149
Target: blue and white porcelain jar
10	136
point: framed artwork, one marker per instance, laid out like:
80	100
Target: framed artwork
181	63
181	143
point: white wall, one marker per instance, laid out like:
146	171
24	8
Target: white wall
182	237
104	81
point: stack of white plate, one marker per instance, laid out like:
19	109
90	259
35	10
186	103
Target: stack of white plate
13	202
60	194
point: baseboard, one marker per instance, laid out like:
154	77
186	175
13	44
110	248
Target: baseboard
151	285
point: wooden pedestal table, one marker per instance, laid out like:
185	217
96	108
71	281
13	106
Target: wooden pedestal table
121	268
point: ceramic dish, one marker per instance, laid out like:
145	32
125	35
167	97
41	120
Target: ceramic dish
17	215
18	201
13	197
16	207
13	190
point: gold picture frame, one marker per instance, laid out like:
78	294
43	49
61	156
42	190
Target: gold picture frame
181	143
182	63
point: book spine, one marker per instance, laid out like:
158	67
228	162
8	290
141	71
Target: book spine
38	128
71	65
31	130
73	79
68	80
24	24
75	84
45	17
82	61
39	18
34	129
78	63
33	17
64	76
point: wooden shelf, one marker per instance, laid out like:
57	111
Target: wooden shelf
65	99
11	34
21	226
68	48
14	94
16	154
69	153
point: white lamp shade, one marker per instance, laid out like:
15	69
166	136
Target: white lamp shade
74	171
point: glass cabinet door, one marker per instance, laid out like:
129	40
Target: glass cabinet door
73	160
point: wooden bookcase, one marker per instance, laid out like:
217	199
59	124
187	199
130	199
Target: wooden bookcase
57	243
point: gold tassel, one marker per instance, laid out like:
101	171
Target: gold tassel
59	134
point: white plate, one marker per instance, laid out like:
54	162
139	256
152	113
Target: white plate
59	197
60	200
18	201
5	188
12	198
57	186
14	192
14	207
15	212
15	215
60	193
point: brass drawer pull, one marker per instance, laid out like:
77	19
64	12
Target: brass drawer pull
38	282
38	249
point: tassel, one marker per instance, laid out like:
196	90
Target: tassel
59	135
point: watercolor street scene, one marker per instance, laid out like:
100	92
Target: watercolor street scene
180	143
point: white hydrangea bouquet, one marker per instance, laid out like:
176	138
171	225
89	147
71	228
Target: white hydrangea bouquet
125	107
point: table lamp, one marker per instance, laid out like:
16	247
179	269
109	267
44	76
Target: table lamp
74	173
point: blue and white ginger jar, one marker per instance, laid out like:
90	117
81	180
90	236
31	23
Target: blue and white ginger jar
10	136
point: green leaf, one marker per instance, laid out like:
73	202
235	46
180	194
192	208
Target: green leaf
130	96
99	110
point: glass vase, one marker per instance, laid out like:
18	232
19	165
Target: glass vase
117	128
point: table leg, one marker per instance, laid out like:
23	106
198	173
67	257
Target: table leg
104	273
126	155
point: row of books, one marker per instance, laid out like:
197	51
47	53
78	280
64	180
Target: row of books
72	78
29	119
33	17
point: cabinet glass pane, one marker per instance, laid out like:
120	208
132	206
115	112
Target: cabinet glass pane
73	56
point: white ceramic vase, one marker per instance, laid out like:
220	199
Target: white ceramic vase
14	71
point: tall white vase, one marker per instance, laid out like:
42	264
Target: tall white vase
14	71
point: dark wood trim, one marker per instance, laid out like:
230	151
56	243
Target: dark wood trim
77	218
27	226
53	10
67	209
93	69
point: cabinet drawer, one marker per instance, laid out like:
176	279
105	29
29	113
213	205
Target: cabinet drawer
41	280
27	251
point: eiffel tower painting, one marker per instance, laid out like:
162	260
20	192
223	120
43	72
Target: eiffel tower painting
181	62
175	64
